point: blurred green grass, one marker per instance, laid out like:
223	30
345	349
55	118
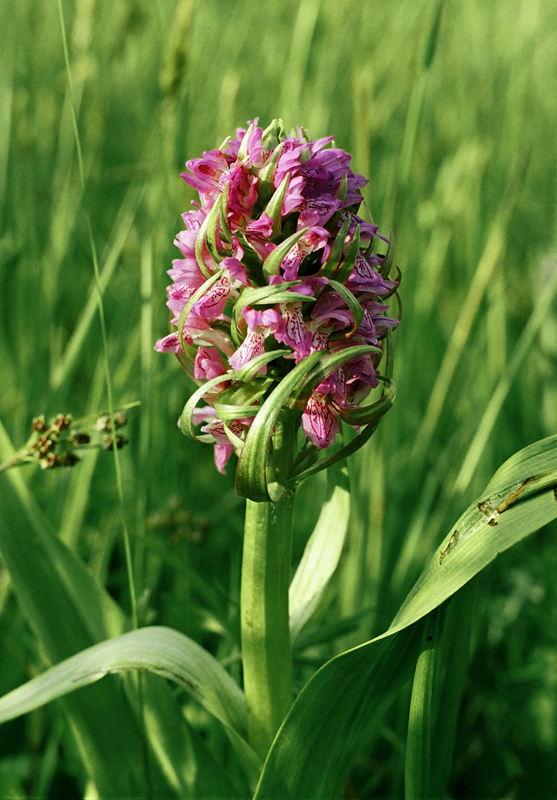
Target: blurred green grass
453	118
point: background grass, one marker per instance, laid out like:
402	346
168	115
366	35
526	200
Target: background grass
451	110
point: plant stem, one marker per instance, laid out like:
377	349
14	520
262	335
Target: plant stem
266	650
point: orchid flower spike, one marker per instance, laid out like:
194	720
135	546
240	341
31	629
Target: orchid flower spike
275	266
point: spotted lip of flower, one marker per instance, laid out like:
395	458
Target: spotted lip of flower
275	265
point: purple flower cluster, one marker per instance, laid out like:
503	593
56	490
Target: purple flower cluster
274	260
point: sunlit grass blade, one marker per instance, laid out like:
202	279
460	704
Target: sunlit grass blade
58	590
493	250
485	427
99	615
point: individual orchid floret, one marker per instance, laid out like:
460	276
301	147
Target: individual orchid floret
279	275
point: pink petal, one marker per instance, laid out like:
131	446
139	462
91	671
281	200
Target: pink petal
319	422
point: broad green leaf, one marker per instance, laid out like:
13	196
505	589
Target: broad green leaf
187	763
98	613
160	650
102	723
70	610
322	552
339	706
520	498
331	718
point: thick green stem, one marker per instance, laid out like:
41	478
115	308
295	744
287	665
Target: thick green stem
266	650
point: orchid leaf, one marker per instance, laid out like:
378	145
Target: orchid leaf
336	710
520	499
333	715
160	650
418	746
322	552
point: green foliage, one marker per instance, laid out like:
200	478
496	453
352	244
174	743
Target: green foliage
450	109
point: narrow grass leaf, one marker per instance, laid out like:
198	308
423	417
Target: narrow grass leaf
453	662
418	746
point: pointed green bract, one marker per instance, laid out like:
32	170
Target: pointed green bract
329	267
253	473
273	261
209	223
274	206
347	264
353	305
266	174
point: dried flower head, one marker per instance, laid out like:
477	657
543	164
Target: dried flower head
53	444
276	266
